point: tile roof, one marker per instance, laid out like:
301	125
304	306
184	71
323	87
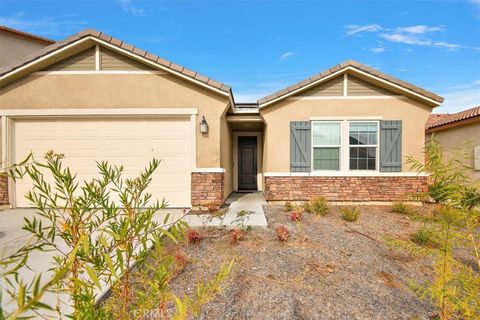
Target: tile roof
356	65
434	117
438	120
27	35
120	44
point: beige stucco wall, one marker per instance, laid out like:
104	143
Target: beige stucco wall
452	139
14	47
226	154
278	117
124	91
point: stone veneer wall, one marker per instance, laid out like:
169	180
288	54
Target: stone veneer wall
3	190
207	189
296	188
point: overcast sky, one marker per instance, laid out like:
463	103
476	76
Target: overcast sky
260	47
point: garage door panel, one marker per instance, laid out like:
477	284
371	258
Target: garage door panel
131	143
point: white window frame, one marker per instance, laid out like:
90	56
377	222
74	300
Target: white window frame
340	146
376	146
344	156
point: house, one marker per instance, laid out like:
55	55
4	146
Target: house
455	130
342	133
17	44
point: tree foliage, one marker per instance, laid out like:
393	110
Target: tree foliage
99	231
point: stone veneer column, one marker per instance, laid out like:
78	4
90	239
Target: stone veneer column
3	190
207	189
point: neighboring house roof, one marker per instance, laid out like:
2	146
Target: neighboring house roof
26	35
353	65
168	65
441	121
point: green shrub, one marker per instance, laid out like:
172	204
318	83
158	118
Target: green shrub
317	205
470	198
424	236
400	207
288	206
350	214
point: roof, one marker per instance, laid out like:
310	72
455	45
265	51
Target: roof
437	121
354	65
27	35
175	68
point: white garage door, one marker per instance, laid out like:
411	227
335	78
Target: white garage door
128	142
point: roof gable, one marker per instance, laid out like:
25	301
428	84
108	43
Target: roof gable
28	64
359	70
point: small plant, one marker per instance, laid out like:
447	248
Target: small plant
424	236
288	206
193	237
180	261
350	214
296	216
400	207
282	233
317	205
236	235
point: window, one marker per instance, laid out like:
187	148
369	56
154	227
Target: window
363	145
326	143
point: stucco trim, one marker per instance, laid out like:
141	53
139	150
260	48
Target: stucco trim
259	137
347	97
92	112
209	170
345	174
56	73
347	118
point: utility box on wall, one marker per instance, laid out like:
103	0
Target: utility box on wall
476	159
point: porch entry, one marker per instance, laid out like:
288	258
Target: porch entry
247	163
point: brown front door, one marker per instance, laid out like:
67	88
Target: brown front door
247	163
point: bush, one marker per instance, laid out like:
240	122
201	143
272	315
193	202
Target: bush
193	237
317	205
288	206
400	207
296	216
97	230
350	214
470	198
424	236
236	235
282	233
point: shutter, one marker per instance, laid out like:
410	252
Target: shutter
391	146
300	146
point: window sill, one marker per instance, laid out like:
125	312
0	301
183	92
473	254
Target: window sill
345	174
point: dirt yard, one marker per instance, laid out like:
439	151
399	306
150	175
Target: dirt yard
328	269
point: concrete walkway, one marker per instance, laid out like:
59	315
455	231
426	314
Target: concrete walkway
245	210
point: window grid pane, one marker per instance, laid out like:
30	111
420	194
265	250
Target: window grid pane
363	133
326	158
363	158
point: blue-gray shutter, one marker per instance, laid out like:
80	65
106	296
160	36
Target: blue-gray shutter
300	146
391	146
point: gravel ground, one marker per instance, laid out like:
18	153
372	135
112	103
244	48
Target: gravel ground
328	269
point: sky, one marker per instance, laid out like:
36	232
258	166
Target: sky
259	47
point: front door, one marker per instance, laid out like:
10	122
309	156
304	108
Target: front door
247	163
